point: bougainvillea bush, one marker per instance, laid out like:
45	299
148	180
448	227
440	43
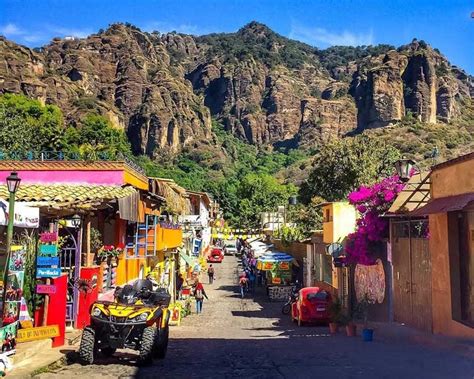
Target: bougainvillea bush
371	202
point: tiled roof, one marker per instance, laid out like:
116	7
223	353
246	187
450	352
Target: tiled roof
62	165
67	195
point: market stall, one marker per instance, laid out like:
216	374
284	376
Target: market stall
276	268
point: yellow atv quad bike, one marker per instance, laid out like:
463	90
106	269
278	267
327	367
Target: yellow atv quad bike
137	319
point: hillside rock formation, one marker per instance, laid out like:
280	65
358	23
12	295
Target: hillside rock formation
163	90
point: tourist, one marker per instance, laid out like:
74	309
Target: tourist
243	284
199	295
210	273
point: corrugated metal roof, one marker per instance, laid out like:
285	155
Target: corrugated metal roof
444	204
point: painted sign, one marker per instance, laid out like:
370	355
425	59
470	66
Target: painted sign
25	217
48	250
39	333
47	261
48	272
268	265
45	289
284	265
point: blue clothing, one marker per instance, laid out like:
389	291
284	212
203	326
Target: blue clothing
198	306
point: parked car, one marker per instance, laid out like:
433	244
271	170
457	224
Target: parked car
313	306
230	247
216	256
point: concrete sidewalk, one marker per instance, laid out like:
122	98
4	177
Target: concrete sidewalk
395	332
35	355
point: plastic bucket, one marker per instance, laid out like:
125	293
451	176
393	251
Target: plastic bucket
367	334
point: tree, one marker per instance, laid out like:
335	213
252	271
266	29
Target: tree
26	125
96	135
343	165
259	193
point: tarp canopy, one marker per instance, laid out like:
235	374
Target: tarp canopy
25	216
189	260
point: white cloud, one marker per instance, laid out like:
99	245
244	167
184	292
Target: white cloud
321	36
11	30
166	27
69	32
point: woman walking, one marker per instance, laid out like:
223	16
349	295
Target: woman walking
199	295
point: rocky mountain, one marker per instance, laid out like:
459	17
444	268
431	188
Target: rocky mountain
163	89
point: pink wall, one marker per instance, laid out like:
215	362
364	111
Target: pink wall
65	177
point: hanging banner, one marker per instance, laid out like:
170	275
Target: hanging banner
14	286
25	217
7	337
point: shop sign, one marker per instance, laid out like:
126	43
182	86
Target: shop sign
48	272
25	217
47	261
268	265
276	280
48	250
39	333
284	265
45	289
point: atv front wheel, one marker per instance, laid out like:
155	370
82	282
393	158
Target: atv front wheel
87	346
162	342
147	344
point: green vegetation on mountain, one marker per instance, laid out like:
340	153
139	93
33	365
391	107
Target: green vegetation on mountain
28	127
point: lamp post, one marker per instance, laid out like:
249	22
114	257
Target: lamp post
13	182
404	168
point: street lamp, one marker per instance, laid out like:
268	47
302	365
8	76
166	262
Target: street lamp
13	182
76	221
404	168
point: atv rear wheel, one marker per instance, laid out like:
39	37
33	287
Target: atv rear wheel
147	344
87	347
108	351
162	342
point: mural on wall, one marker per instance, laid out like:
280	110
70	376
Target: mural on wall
370	280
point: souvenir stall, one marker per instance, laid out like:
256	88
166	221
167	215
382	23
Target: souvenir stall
13	304
276	270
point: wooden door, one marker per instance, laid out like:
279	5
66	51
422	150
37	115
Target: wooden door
401	280
411	277
421	284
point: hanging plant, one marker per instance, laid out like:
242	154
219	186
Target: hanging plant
371	228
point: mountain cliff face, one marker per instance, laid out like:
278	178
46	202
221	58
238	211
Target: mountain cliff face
266	89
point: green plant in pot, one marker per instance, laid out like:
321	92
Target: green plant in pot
335	311
347	321
362	310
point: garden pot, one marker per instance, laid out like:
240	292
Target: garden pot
333	328
367	334
351	330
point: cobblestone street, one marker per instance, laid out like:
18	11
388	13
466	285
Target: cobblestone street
251	339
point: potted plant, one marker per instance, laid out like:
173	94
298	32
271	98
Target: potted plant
363	312
351	327
335	311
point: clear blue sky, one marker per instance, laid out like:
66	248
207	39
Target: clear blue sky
445	24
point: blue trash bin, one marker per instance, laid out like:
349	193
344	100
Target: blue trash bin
367	334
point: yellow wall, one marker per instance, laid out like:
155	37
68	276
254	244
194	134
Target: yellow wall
341	221
135	179
453	180
168	238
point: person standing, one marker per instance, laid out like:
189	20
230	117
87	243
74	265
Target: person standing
243	284
210	273
199	295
